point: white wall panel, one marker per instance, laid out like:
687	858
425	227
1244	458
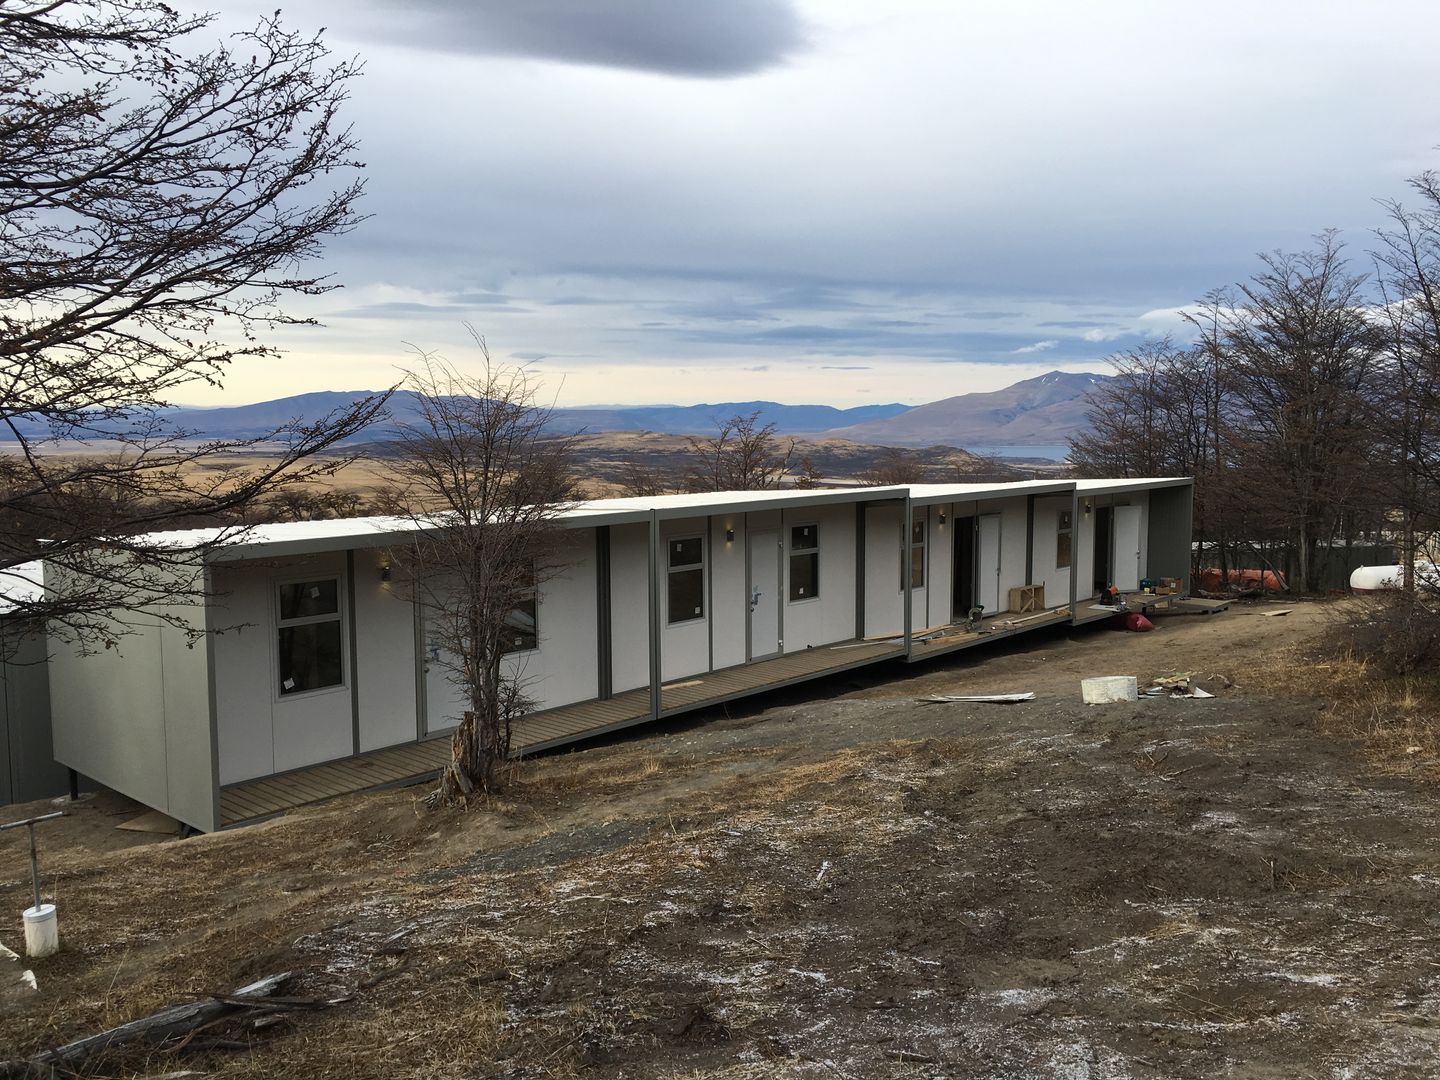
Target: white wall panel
685	646
884	602
629	606
829	617
940	571
563	669
730	604
1047	532
385	655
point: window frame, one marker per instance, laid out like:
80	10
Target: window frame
338	617
908	552
1065	529
530	596
672	569
812	552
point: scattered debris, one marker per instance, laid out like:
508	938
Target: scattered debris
178	1025
995	699
1276	614
16	981
683	685
1179	685
1134	622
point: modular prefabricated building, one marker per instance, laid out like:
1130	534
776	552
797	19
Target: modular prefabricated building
305	651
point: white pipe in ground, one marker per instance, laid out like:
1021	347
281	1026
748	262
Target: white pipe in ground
1107	688
42	931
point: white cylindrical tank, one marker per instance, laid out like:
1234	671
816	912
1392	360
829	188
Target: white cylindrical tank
1378	578
42	931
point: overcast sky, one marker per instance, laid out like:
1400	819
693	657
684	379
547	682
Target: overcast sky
833	201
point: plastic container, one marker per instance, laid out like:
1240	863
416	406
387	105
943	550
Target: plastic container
1108	688
42	931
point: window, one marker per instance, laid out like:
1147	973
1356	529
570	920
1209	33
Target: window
1062	540
309	636
804	562
522	626
687	579
917	557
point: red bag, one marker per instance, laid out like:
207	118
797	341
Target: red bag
1137	622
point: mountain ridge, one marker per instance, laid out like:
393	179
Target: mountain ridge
1045	409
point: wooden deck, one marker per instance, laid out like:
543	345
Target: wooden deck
991	629
1088	611
397	765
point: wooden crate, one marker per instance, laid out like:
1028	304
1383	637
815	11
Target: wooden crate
1025	599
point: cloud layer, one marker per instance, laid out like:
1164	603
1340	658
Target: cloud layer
833	200
696	38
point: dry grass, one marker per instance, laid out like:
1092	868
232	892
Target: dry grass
1375	669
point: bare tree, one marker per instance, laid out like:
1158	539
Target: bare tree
1408	415
483	483
641	479
1272	411
893	466
743	455
157	203
807	473
1302	350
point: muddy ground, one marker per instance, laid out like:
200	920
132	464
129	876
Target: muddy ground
838	881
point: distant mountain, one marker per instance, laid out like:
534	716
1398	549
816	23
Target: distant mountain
255	421
1043	410
1046	409
699	419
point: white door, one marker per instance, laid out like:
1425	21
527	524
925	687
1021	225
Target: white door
444	700
987	563
1127	548
764	593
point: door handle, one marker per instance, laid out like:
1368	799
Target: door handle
754	599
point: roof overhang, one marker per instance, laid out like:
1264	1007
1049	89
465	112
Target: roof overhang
1117	487
933	494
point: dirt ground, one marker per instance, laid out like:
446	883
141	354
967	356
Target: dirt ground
836	881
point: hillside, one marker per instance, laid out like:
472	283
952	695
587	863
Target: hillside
259	419
835	881
1046	409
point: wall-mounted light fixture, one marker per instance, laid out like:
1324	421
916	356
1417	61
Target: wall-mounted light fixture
385	571
729	536
942	517
1087	508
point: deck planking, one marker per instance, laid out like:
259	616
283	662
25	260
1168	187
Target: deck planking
252	800
993	629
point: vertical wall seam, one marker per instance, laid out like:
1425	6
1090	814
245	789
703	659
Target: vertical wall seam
354	636
860	509
906	554
422	701
656	655
213	701
710	590
604	622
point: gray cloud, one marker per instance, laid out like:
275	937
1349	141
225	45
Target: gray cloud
414	309
711	39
